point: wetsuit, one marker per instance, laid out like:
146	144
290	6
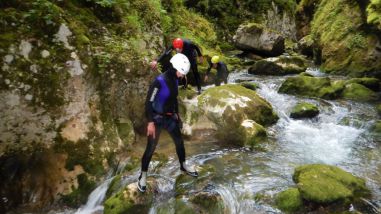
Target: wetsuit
189	50
162	108
222	73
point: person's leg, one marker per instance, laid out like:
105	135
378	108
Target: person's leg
146	159
196	76
175	133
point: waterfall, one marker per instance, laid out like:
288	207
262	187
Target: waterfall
95	200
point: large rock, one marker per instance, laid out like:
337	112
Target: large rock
353	50
282	65
224	109
289	200
258	38
325	184
304	110
311	87
354	91
131	200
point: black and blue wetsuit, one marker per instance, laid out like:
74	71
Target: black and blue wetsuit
162	108
191	51
222	73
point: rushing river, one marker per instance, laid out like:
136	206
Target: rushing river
338	136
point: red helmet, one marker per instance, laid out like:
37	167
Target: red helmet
178	43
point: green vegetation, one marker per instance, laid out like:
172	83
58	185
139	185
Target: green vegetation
374	13
326	184
345	47
289	200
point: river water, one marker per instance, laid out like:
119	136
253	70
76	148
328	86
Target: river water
247	180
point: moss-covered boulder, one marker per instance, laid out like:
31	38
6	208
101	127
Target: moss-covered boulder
289	200
311	87
131	200
352	50
250	85
374	13
209	201
258	38
305	46
255	133
186	184
324	184
379	109
357	92
223	109
371	83
282	65
304	110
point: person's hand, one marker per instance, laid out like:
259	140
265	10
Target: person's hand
154	65
201	59
206	78
151	130
179	120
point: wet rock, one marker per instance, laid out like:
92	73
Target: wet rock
289	200
312	87
282	65
371	83
325	184
210	201
357	92
258	38
305	46
131	200
304	110
223	109
186	184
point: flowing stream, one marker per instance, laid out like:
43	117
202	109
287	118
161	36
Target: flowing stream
338	136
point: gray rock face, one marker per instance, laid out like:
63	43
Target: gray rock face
257	38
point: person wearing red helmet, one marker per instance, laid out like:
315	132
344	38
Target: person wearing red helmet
190	50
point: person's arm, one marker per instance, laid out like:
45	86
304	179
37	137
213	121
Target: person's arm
161	57
166	53
151	95
195	47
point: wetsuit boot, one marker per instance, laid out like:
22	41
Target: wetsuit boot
187	170
142	181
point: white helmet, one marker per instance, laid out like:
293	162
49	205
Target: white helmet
181	63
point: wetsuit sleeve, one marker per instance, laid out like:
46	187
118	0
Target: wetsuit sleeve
151	95
195	47
166	53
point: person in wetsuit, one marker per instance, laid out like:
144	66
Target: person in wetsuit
222	71
190	50
162	111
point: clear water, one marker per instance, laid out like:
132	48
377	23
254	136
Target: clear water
338	136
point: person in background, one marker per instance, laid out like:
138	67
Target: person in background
162	112
222	71
190	50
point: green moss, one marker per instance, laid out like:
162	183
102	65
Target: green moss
325	184
345	47
211	202
114	186
304	110
357	92
371	83
289	200
126	132
186	184
79	195
260	110
250	85
374	13
81	153
379	109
